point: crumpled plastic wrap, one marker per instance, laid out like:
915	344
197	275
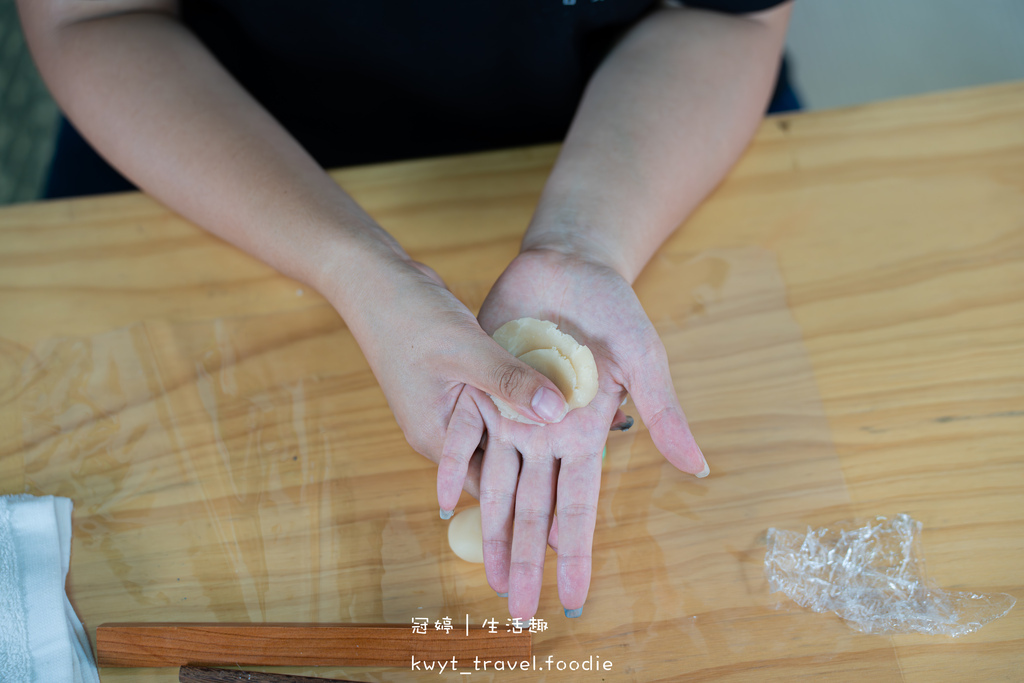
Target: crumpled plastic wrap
873	577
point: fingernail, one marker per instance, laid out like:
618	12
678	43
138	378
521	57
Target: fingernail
707	470
573	613
502	595
447	514
604	452
624	425
548	405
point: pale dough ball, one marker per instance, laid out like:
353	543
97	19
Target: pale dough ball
466	536
554	366
554	354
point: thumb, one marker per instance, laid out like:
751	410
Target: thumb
655	398
522	389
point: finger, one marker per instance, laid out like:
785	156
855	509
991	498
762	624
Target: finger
497	505
535	499
472	484
465	429
579	483
505	377
655	398
553	534
621	422
429	272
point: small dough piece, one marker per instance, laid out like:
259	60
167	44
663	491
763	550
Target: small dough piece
554	354
466	536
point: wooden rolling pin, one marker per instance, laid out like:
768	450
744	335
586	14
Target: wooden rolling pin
202	674
181	644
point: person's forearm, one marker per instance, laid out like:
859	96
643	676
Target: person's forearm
152	100
664	118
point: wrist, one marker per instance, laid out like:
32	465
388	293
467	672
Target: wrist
355	267
603	245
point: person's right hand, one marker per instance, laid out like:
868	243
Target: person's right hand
425	347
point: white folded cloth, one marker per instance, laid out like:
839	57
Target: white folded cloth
41	638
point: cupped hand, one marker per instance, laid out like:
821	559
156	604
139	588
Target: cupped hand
531	472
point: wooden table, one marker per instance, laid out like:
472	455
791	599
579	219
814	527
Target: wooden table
845	320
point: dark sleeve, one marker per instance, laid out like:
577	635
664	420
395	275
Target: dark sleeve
734	6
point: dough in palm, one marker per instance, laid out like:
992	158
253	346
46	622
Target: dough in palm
554	354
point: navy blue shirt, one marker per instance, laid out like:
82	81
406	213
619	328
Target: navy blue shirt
376	80
358	82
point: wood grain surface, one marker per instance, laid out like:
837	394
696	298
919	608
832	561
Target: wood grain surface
179	644
845	322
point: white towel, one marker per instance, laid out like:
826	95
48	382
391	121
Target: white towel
41	638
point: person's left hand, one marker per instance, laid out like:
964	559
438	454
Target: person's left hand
529	471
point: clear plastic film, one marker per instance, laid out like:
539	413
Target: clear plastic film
248	469
873	576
